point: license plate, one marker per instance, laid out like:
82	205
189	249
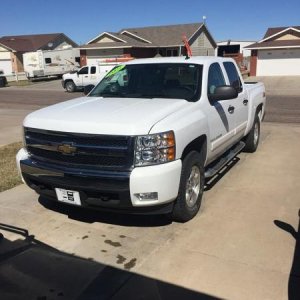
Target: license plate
68	196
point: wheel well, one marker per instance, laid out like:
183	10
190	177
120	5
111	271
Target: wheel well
68	80
199	144
259	109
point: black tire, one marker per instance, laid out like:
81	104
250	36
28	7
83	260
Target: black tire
185	209
252	139
70	86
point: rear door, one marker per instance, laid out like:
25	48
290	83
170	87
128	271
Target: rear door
93	76
241	103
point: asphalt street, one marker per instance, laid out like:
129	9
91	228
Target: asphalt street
282	106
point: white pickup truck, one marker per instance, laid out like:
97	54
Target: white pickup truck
87	75
146	143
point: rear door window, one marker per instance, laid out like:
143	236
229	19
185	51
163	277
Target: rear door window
93	70
233	76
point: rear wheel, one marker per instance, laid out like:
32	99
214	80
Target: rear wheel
70	86
252	139
191	187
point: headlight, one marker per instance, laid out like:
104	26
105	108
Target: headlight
155	149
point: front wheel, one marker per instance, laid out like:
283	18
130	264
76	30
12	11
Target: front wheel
252	139
191	188
70	86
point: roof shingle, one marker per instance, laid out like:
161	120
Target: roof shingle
165	35
153	36
269	43
274	30
25	43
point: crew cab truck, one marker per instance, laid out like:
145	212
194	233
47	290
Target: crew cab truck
87	75
146	143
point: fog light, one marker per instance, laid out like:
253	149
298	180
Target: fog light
147	196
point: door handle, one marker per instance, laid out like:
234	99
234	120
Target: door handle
231	109
86	76
245	102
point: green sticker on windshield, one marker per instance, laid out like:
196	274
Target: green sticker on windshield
115	70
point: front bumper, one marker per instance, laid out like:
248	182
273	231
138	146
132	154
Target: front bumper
106	190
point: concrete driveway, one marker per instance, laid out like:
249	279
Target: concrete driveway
241	246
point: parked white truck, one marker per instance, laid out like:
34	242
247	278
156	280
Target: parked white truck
147	143
43	63
86	75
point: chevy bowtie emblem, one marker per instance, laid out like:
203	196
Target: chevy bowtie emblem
66	149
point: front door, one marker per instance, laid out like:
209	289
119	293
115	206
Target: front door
220	114
82	76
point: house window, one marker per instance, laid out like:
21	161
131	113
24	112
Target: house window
48	60
172	52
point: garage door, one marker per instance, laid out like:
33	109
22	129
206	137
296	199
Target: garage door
5	66
278	62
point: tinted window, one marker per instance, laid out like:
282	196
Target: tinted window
165	80
93	70
215	78
84	70
233	76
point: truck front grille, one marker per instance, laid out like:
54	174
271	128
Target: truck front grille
80	150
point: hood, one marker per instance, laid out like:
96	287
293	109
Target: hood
97	115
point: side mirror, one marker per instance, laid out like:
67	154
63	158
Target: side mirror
88	88
224	92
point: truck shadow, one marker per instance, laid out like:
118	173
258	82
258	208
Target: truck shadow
90	216
294	278
31	269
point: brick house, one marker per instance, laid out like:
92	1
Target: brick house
277	54
13	47
149	42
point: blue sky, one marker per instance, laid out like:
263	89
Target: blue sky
83	20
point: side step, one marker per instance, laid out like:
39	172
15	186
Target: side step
216	166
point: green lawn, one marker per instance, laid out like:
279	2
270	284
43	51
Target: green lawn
8	170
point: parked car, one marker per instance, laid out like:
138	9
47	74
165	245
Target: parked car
87	75
146	143
3	80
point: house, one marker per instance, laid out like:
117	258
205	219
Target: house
277	54
232	47
148	42
237	50
13	47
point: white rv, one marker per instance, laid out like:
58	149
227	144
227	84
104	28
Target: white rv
43	63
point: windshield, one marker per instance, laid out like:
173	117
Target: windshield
167	80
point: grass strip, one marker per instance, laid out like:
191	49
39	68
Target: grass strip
9	177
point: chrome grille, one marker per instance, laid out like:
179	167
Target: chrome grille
88	150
